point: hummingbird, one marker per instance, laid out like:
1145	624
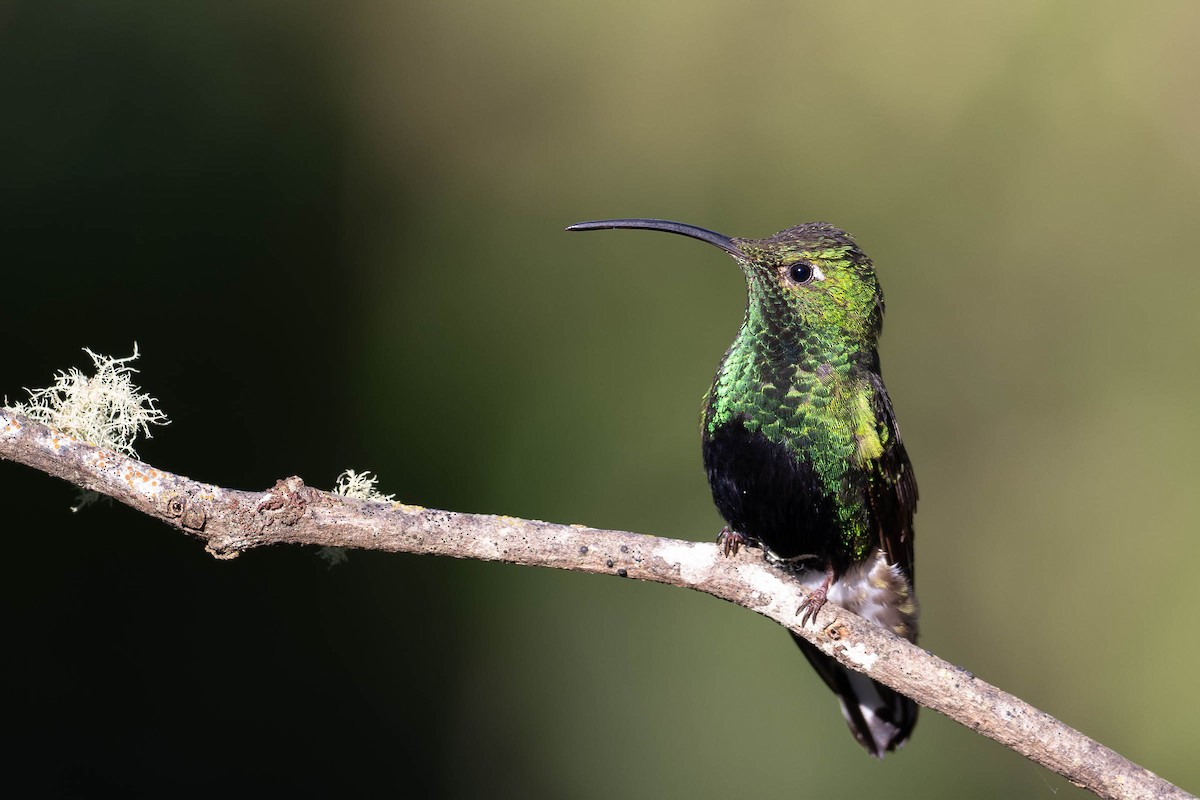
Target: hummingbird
802	449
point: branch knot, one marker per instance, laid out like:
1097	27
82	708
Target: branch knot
289	498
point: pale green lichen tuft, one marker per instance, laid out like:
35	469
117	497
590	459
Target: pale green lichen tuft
85	498
360	486
333	556
106	409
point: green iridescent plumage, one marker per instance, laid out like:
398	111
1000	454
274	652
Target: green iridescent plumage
802	449
799	370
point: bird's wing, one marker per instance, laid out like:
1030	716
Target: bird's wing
892	490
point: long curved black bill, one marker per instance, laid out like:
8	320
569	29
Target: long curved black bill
703	234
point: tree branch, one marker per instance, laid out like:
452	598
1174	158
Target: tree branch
231	521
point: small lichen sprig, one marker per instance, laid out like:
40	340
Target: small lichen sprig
361	486
106	409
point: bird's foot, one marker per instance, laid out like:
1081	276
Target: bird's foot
816	599
730	541
812	604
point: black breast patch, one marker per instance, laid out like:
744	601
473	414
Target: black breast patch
770	494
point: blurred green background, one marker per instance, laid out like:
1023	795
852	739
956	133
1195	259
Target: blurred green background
335	231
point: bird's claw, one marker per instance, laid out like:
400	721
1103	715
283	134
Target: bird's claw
816	599
730	541
811	605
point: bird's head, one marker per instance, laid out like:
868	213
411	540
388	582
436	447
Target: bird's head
808	280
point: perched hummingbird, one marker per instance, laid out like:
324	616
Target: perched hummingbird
803	451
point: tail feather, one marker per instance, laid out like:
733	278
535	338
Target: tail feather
880	718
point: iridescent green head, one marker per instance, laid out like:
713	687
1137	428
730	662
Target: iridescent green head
808	278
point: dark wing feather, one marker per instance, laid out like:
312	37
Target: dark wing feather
892	491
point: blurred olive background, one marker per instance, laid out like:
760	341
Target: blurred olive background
335	232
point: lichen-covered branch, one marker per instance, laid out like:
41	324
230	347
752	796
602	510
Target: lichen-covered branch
230	521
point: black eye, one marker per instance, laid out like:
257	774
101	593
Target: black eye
800	272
